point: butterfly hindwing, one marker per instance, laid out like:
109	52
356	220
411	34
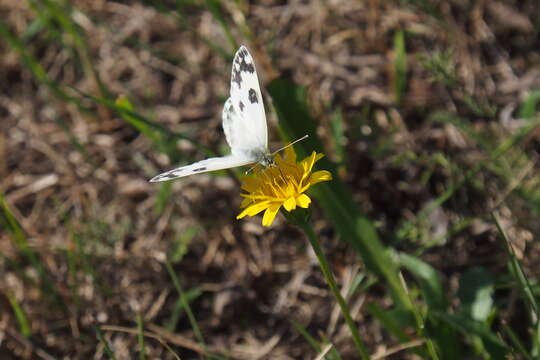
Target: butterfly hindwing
211	164
231	126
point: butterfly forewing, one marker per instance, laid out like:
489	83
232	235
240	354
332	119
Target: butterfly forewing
211	164
246	100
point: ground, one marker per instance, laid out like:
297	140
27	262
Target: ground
428	109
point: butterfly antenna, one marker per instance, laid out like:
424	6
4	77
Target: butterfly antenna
275	152
291	144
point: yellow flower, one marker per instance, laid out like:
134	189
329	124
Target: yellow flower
283	184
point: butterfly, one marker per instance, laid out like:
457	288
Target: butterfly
244	124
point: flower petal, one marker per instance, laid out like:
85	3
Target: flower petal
303	201
249	183
270	214
290	204
254	209
319	157
283	184
319	176
290	155
245	203
307	164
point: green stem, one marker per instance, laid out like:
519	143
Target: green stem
186	306
140	336
362	350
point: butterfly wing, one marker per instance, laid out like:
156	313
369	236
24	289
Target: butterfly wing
231	126
244	123
211	164
244	118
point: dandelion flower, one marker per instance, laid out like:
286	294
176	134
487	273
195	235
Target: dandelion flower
283	184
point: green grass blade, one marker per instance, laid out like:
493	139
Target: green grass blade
421	324
517	271
35	67
476	287
186	306
10	223
314	343
20	315
530	104
524	285
40	76
536	341
432	291
307	336
127	113
35	27
160	137
443	70
105	343
300	221
178	309
139	122
163	196
61	12
400	65
360	282
180	246
428	280
518	345
495	347
140	336
389	320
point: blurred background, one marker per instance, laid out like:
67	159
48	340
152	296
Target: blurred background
427	112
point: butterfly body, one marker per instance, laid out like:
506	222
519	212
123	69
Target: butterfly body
244	124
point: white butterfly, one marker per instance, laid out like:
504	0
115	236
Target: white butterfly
244	124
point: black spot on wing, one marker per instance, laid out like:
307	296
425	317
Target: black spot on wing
169	175
199	169
252	96
247	67
237	77
242	63
241	106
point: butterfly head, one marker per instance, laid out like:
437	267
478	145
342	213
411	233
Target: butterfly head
266	159
263	158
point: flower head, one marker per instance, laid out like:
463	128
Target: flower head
283	184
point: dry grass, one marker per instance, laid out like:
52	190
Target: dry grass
76	179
